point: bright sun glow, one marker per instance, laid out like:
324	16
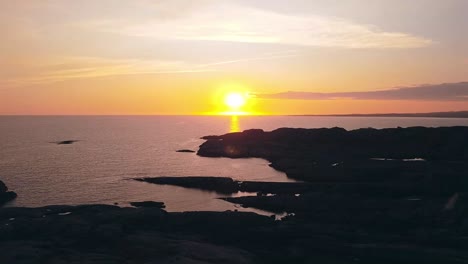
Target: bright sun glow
235	100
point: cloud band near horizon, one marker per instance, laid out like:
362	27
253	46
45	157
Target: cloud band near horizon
427	92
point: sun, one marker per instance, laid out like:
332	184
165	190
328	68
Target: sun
235	101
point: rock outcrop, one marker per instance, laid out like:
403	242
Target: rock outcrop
5	195
148	204
228	186
218	184
186	151
330	154
110	234
66	142
402	190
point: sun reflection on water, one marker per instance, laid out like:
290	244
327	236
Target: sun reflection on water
235	126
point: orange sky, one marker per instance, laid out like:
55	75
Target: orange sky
182	57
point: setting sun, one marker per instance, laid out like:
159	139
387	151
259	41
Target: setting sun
232	98
235	100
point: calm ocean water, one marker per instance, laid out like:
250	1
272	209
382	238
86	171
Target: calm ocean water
112	150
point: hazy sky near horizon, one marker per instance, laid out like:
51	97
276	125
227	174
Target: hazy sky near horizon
178	56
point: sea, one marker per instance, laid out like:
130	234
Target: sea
113	150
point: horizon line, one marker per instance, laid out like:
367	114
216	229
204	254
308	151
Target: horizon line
412	114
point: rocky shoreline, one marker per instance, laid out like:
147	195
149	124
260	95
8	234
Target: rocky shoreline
395	192
366	196
225	185
111	234
5	195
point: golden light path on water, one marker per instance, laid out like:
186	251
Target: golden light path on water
235	125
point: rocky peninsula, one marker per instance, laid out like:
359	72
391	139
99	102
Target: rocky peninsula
373	195
362	196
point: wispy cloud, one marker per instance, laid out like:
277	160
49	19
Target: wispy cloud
428	92
68	68
233	23
269	56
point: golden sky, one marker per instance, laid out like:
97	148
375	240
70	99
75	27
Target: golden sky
183	57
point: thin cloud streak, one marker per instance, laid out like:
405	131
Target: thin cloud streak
271	56
428	92
234	23
91	67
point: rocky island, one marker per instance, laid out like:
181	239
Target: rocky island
361	196
66	142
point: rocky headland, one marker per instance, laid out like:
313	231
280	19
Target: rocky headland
363	196
368	195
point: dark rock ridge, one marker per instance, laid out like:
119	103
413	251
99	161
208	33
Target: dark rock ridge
5	195
453	114
186	151
329	153
226	185
150	204
110	234
218	184
334	143
65	142
393	193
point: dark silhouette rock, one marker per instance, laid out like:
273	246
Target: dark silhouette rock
5	195
66	142
218	184
378	184
3	187
310	154
228	185
151	204
110	234
186	151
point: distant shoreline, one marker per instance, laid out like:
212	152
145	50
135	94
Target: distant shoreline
458	114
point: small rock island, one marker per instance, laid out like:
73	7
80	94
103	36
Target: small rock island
66	142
